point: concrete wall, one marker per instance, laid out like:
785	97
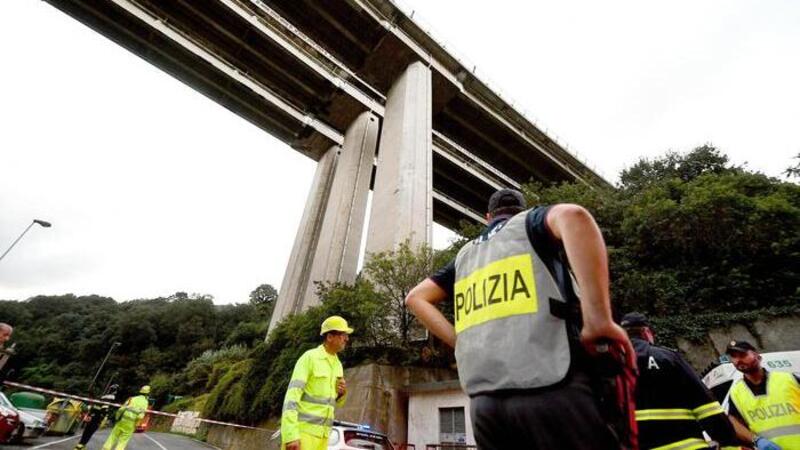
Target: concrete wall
160	423
377	396
769	335
423	415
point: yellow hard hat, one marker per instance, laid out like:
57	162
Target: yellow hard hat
144	390
335	323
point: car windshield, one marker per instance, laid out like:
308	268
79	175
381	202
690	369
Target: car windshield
4	401
363	439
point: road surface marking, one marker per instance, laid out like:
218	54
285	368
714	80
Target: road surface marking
156	442
56	442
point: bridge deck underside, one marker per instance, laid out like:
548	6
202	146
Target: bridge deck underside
351	46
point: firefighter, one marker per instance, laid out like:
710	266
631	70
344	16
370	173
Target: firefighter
96	413
316	388
765	405
673	407
127	416
518	328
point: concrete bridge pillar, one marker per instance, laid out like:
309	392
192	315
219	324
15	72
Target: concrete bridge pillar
402	202
295	279
340	237
326	247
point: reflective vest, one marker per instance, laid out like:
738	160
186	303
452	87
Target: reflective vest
774	415
133	410
310	400
507	337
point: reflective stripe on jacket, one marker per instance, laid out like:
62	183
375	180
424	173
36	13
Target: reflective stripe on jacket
698	413
507	337
673	406
774	415
310	400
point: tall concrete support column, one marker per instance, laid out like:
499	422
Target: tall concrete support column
402	202
329	237
340	238
295	279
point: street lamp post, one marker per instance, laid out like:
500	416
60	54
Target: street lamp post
100	369
35	222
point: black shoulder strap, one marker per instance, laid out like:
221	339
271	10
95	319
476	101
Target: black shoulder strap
555	259
556	262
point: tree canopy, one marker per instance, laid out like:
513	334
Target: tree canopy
63	339
691	233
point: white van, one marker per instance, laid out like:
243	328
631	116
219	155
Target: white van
720	379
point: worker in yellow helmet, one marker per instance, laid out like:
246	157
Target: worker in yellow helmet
316	388
128	415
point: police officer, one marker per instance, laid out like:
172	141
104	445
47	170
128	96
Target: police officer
768	403
673	407
517	331
316	388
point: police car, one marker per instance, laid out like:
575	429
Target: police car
720	379
353	436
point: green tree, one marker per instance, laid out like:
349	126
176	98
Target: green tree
395	273
62	339
690	233
683	167
263	298
793	171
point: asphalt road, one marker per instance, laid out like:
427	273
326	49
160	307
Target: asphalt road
140	441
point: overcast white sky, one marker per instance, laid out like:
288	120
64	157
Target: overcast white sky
153	189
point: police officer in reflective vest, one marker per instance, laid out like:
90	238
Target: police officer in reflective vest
673	406
767	402
517	332
317	387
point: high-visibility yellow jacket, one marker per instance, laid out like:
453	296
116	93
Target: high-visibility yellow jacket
774	415
131	412
311	397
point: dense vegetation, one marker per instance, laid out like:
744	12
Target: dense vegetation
691	234
61	340
694	241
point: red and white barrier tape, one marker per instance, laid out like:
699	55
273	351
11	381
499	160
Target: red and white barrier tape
117	405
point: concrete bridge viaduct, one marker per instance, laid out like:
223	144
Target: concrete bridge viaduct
360	88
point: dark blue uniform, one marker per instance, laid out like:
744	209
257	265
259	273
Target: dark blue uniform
672	403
